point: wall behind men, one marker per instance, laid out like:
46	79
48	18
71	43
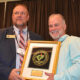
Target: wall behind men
40	10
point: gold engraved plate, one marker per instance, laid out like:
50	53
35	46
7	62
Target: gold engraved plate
36	73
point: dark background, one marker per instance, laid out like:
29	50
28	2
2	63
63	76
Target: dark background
40	10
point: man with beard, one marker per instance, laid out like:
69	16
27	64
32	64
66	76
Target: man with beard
68	67
9	43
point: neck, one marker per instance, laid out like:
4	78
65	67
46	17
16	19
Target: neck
21	27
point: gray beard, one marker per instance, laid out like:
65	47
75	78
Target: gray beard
53	37
19	25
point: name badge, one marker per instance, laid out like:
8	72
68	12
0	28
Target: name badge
21	51
10	36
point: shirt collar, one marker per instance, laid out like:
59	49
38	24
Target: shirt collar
17	30
63	37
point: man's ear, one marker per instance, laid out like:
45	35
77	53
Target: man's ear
65	27
28	18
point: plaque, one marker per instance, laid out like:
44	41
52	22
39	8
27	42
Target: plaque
40	57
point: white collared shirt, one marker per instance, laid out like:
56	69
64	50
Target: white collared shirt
26	38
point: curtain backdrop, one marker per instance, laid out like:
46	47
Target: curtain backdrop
2	6
40	10
71	11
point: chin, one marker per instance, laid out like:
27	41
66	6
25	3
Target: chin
55	37
19	25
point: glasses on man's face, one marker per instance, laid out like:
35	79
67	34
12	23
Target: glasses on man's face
20	13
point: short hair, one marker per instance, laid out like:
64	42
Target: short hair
59	15
21	4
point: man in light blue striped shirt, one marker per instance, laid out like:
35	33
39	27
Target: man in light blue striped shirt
68	67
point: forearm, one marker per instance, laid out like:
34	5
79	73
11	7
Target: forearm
73	73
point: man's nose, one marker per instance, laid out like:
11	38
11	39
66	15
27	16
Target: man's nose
52	28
